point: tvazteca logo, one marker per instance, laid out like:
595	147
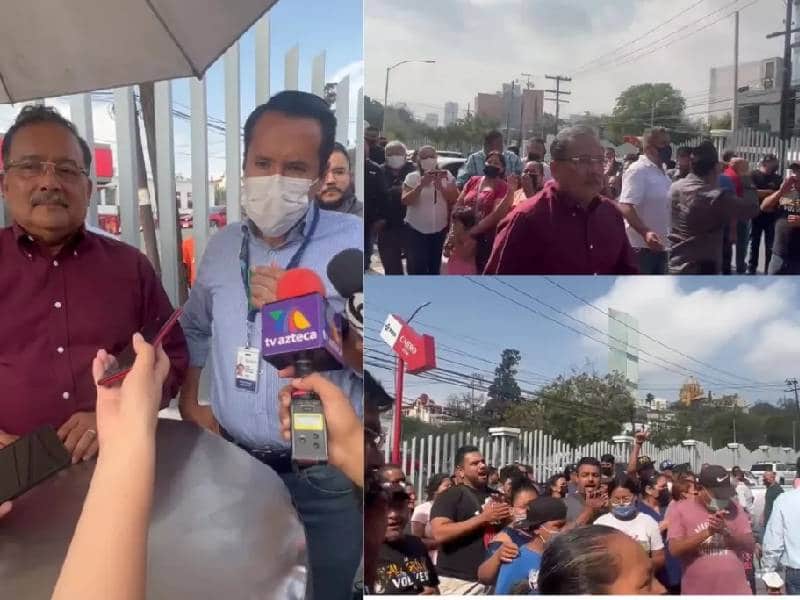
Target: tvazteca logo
289	321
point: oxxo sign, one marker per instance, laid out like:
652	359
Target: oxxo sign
418	351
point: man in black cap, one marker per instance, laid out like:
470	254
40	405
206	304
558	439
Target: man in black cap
767	181
709	534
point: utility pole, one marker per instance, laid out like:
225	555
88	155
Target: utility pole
558	92
735	116
528	86
792	386
787	93
508	114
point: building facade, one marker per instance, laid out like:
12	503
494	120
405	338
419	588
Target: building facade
450	113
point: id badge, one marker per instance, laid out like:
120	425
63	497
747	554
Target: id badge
247	366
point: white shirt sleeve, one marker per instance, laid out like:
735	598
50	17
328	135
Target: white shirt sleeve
421	513
654	535
634	184
412	179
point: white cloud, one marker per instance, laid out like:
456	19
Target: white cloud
776	348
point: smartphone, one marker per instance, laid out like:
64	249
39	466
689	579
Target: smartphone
152	335
30	460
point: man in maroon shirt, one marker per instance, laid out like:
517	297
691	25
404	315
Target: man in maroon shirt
568	228
64	292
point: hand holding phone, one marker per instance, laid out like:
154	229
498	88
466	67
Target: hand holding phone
28	461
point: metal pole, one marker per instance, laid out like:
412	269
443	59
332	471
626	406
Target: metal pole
508	115
787	109
398	411
385	101
735	116
558	102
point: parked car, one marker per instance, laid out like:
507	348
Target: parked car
452	164
449	154
218	216
783	472
186	220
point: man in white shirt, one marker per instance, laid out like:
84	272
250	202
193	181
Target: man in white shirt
743	492
782	542
645	204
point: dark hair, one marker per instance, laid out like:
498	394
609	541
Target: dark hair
522	485
301	105
433	484
609	458
465	216
33	114
462	452
492	136
498	155
680	486
625	482
337	147
389	467
728	155
704	159
514	149
510	472
587	460
684	151
551	482
576	562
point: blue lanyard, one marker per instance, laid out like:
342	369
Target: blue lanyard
244	259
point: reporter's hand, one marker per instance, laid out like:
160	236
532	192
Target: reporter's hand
79	433
263	284
653	241
201	415
129	413
345	431
5	508
508	552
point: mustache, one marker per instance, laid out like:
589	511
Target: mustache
49	199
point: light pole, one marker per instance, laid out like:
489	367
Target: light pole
386	89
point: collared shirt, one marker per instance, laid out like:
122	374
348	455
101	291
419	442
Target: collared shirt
347	204
700	213
646	187
551	234
57	311
215	322
782	537
477	161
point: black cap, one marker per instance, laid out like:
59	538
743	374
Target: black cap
644	462
717	481
542	510
375	395
666	465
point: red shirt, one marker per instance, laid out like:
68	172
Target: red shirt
57	311
737	181
551	234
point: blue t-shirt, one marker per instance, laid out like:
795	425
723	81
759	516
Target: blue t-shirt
520	538
523	568
670	574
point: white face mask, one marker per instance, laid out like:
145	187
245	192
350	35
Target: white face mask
396	161
428	164
275	203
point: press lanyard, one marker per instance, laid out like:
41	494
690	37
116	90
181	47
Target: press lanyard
244	265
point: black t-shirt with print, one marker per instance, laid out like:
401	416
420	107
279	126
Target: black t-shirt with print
461	557
787	236
764	181
404	568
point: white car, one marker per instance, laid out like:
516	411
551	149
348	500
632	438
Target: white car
784	472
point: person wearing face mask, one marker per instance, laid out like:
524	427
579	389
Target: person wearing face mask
654	502
708	533
392	234
767	181
544	519
429	194
336	187
644	202
493	142
537	150
490	196
287	144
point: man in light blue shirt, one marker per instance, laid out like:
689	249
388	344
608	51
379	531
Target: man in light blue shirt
493	142
287	144
782	540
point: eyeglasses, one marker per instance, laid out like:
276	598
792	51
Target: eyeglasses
621	503
65	170
588	162
374	438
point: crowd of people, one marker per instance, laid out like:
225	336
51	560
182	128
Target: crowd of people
68	291
598	527
583	211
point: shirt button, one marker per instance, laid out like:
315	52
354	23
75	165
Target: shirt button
30	238
55	263
60	350
591	246
57	304
65	395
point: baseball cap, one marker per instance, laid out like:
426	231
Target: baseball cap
644	462
717	481
666	465
542	510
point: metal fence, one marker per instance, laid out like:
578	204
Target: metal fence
752	145
425	456
126	168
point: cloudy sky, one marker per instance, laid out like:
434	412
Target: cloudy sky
479	44
740	334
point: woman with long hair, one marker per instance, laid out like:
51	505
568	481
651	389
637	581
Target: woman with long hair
421	518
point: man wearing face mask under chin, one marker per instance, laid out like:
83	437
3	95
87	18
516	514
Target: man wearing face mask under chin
287	144
708	534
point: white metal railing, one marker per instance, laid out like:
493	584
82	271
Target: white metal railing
424	456
126	171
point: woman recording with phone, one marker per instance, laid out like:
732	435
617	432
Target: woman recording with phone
429	193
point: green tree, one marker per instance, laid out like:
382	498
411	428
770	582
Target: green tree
640	105
505	390
585	407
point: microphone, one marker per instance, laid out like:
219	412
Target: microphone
345	273
301	329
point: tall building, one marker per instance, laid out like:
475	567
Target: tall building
623	347
506	108
759	93
432	120
450	113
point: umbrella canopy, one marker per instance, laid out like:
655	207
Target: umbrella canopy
60	48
